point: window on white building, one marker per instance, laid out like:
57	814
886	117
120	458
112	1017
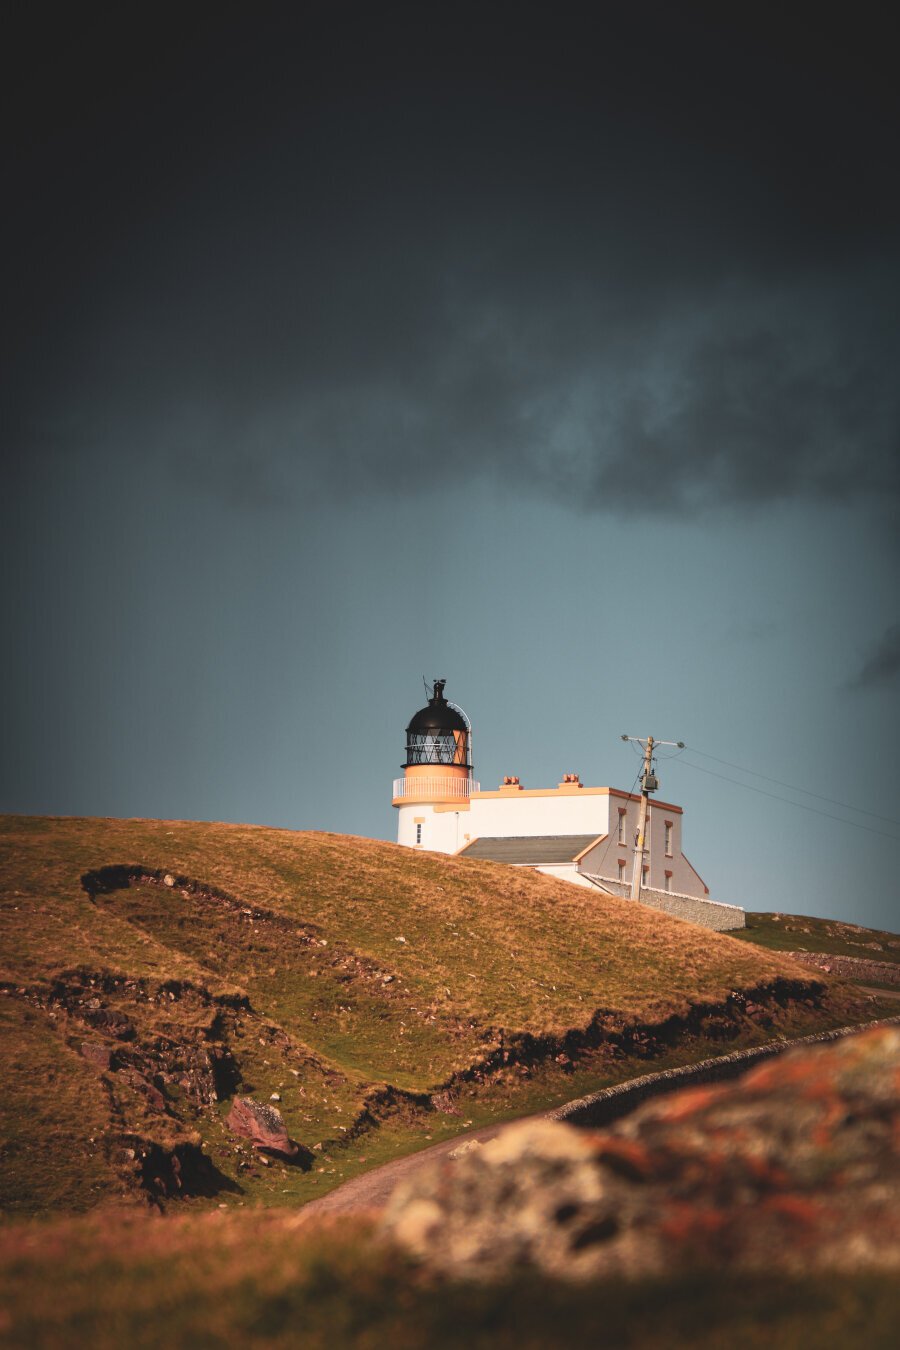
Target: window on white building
621	866
621	826
668	838
668	881
418	834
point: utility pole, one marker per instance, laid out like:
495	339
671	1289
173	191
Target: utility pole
649	783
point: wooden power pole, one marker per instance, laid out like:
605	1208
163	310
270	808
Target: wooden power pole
638	873
649	783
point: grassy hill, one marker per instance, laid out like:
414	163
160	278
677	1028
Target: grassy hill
801	933
150	970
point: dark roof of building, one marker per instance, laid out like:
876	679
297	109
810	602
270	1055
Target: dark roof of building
537	849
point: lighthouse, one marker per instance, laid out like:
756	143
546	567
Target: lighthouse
437	776
593	837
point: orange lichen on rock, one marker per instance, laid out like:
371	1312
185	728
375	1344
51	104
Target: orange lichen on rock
795	1167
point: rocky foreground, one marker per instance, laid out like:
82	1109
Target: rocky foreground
795	1168
759	1216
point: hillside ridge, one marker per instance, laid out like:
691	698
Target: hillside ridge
380	997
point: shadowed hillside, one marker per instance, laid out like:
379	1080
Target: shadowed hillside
151	970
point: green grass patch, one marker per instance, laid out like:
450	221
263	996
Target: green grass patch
800	933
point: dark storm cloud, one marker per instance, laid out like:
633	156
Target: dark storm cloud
741	393
643	263
881	669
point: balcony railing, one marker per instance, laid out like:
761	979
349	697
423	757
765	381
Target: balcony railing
421	789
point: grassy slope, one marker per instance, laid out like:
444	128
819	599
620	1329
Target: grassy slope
217	1279
338	1004
800	933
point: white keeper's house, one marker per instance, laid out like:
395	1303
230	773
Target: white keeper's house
586	835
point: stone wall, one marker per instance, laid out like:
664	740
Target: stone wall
854	967
609	1104
708	913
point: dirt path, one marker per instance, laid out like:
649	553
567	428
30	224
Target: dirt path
373	1189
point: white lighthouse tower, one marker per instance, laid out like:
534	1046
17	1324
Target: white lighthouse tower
437	776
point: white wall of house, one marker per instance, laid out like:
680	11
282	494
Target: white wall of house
564	872
552	812
446	829
604	859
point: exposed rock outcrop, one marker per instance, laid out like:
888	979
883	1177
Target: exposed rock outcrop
795	1167
175	1171
263	1125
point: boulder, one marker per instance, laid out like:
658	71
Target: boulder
508	1203
796	1167
263	1125
444	1102
108	1022
467	1146
101	1055
141	1084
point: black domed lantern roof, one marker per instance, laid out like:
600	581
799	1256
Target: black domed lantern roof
438	733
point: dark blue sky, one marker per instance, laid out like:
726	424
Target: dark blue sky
554	355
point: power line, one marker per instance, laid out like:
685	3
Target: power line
854	825
792	787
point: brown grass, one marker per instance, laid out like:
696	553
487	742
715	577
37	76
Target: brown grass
287	952
267	1280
